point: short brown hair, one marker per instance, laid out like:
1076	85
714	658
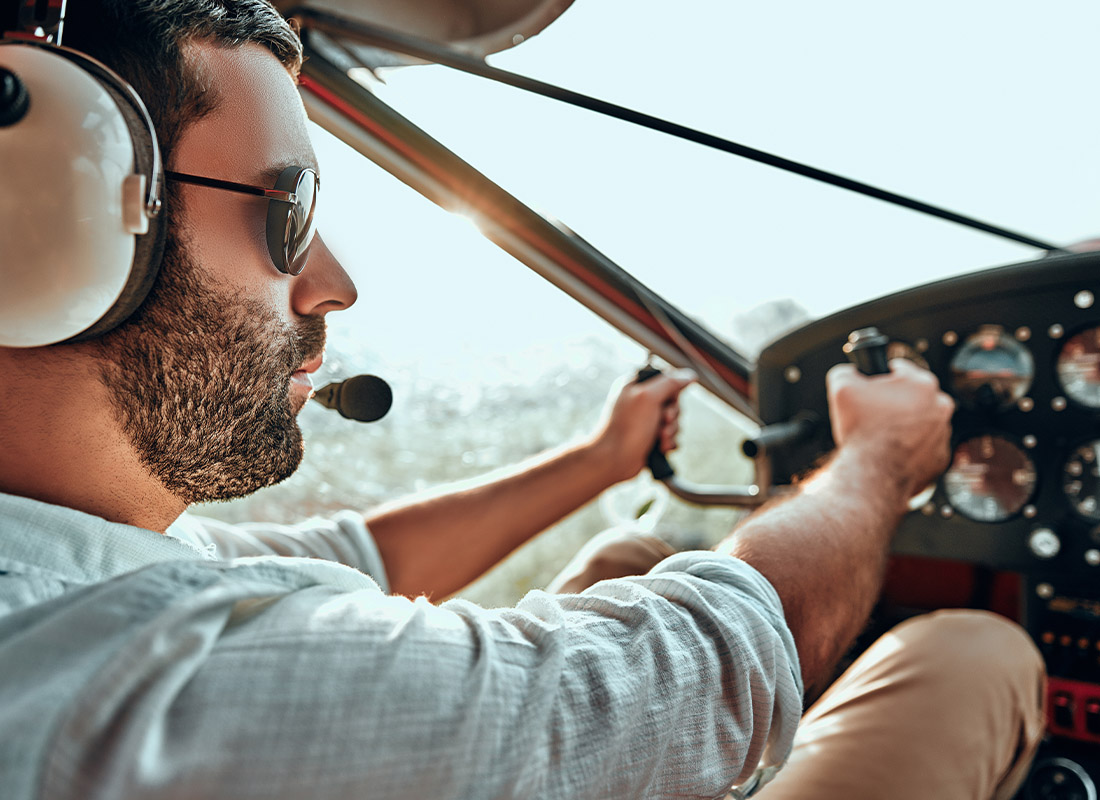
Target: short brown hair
145	42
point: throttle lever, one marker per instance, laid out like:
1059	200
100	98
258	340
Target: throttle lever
656	460
866	348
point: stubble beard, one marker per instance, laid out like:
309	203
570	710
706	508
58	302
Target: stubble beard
200	383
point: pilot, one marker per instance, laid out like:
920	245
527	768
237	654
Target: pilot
148	654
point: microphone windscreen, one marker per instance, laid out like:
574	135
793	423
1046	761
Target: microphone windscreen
365	398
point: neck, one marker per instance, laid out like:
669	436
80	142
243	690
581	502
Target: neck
60	442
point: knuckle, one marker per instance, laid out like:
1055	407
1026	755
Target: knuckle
840	372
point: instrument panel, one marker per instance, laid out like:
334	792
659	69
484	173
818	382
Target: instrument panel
1018	347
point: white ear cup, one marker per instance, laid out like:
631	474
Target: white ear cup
71	202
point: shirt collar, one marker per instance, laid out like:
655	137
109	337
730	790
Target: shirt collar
39	538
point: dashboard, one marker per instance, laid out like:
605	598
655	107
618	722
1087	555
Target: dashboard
1018	348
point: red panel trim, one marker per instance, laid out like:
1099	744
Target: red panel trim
1077	700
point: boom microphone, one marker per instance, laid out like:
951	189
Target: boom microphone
364	398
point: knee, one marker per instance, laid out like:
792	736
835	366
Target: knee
611	554
979	643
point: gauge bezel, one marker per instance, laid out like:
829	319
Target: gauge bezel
1015	441
966	398
1067	453
1069	336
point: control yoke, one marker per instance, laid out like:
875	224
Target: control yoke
866	348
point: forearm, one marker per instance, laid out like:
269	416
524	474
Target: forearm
824	551
437	545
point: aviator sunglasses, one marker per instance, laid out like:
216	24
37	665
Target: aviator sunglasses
290	223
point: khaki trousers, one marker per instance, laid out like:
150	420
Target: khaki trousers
948	705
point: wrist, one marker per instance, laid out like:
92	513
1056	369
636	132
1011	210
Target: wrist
603	460
870	470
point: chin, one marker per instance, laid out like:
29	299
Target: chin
236	486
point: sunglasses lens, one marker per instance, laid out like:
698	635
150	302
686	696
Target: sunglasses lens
290	227
300	223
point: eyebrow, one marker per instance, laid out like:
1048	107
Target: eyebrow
267	177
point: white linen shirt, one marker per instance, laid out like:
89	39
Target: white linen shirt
139	665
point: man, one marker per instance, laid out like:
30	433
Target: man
134	664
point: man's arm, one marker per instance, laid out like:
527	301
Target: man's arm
438	545
824	549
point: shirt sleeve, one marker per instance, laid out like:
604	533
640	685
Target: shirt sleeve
343	538
673	684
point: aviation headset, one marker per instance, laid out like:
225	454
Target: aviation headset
81	235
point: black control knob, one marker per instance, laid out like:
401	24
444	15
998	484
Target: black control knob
14	100
866	348
782	434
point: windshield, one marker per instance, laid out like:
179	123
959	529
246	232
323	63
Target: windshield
981	108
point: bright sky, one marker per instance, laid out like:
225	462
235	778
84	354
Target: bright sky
986	107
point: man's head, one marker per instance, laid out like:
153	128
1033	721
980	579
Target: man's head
148	42
206	379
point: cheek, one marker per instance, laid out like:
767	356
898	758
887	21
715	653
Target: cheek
228	241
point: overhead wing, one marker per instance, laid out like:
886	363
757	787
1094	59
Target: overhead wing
476	27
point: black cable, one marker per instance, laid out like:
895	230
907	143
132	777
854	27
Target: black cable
429	51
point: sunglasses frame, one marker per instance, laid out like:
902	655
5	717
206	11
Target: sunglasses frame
279	217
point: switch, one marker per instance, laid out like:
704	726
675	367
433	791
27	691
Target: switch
1062	710
1092	716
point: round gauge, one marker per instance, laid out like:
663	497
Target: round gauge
906	351
991	369
990	479
1078	367
1081	480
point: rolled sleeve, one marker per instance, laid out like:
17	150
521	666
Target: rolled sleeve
342	538
288	686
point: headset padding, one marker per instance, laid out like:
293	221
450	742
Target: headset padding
149	247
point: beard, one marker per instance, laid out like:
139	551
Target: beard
199	381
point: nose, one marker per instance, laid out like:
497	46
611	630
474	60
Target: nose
323	285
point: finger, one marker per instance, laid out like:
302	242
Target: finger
669	438
905	366
664	389
905	369
843	375
946	404
686	377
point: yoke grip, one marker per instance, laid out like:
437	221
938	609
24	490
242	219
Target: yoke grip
656	461
866	348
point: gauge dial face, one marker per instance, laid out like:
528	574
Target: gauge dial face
1081	480
1078	368
990	479
906	351
991	369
